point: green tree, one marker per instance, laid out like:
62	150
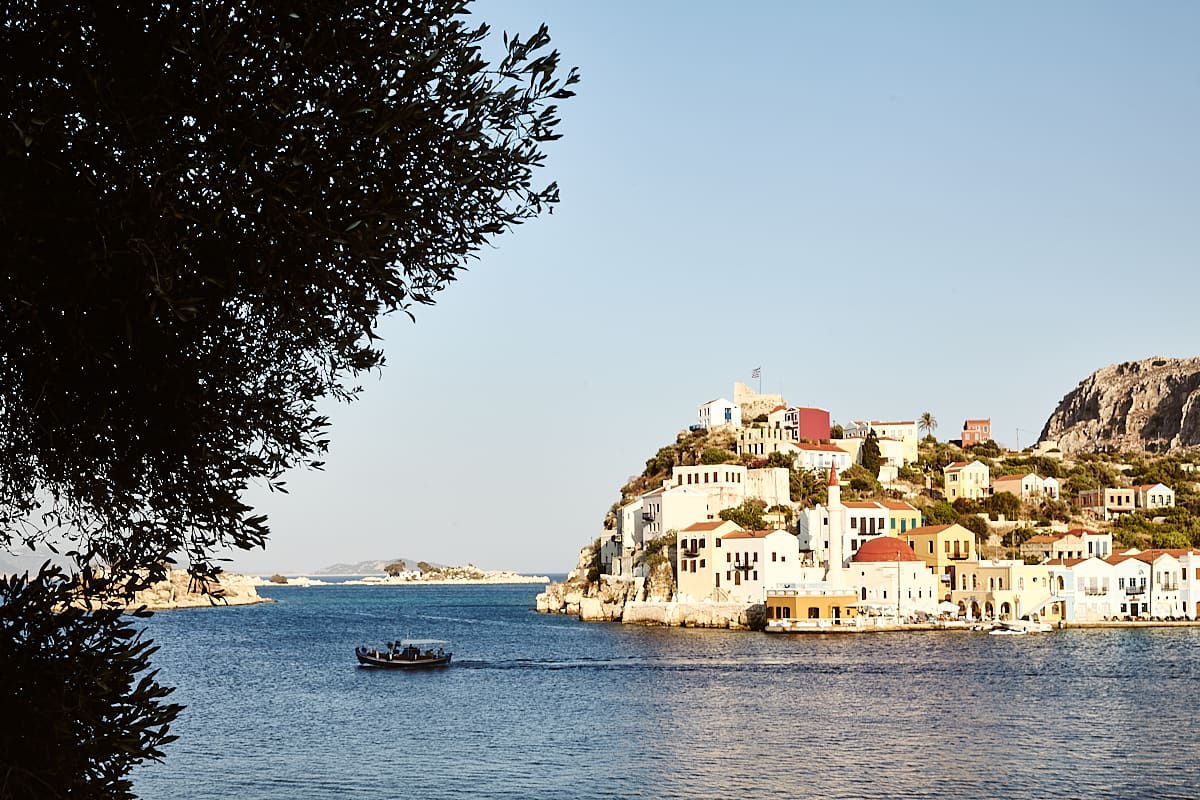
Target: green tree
808	488
778	459
715	455
206	209
836	432
1002	503
1170	539
425	567
396	567
940	513
988	449
975	524
749	514
927	423
870	457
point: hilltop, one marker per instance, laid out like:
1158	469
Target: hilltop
1150	406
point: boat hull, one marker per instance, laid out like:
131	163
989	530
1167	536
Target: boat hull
383	660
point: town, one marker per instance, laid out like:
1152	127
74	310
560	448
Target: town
747	508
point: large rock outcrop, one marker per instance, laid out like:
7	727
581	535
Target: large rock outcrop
1152	405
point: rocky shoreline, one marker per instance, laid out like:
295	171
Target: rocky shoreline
178	591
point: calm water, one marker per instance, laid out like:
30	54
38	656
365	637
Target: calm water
547	707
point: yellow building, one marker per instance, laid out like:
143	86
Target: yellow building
810	606
944	549
969	479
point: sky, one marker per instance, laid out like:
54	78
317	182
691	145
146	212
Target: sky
889	208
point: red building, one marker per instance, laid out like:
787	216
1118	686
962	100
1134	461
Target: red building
806	423
976	431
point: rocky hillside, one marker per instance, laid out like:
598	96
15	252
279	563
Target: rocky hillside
1152	405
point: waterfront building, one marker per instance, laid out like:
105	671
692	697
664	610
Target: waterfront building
1005	589
892	581
1164	599
1094	589
1077	543
755	560
1107	503
976	431
716	413
1189	582
1132	576
969	479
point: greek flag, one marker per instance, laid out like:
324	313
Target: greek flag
756	372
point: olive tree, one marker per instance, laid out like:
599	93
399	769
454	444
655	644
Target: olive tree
205	210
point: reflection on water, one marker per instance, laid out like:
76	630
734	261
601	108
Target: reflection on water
538	706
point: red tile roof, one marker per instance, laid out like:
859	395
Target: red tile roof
706	526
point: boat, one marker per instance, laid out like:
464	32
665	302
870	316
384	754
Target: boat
405	654
1022	626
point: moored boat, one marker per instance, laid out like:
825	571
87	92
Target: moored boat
405	654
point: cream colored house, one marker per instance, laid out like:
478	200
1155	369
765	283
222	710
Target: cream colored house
819	457
1005	589
1107	503
969	479
901	436
1077	543
1028	487
668	509
1096	596
699	557
1154	496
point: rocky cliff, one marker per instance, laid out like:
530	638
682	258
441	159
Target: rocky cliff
1151	405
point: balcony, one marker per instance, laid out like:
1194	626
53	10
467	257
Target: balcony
957	556
744	567
1168	587
647	516
689	553
1135	590
1094	591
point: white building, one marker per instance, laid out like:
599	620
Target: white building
716	413
819	457
755	560
892	581
1154	496
1028	487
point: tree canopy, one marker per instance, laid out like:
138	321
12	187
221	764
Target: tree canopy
205	211
206	208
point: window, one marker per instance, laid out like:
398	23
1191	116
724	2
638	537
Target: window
729	556
947	543
931	547
755	575
702	563
770	612
718	542
773	554
814	612
854	523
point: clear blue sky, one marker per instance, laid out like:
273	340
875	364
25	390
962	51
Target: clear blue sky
961	208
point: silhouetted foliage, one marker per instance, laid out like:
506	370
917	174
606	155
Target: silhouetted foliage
74	715
205	210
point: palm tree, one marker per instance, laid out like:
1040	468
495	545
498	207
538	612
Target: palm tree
927	423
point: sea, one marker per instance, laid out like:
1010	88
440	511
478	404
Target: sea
545	706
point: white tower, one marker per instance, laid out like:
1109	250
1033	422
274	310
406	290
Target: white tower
837	529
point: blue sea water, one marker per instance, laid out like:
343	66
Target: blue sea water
539	706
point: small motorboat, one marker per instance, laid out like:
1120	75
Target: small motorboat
405	654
